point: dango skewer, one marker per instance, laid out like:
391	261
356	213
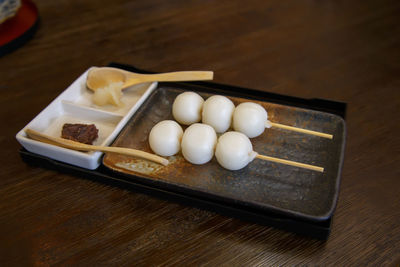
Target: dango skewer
219	112
199	143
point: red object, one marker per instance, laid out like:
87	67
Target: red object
13	30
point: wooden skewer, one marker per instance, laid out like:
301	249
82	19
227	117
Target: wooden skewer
300	130
291	163
84	147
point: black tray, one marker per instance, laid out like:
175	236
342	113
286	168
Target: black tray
318	228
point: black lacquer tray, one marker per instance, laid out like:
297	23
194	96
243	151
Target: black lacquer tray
285	197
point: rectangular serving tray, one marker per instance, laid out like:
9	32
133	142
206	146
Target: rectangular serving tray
288	198
260	185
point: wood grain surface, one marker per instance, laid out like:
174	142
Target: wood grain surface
341	50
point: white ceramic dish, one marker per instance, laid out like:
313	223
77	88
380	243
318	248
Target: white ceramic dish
74	105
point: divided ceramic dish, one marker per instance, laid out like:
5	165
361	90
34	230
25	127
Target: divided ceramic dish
75	105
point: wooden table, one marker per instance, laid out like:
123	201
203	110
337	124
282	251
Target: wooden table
341	50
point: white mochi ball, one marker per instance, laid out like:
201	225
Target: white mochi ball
165	138
250	119
198	143
217	112
187	108
234	151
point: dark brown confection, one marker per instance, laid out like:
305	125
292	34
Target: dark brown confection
83	133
